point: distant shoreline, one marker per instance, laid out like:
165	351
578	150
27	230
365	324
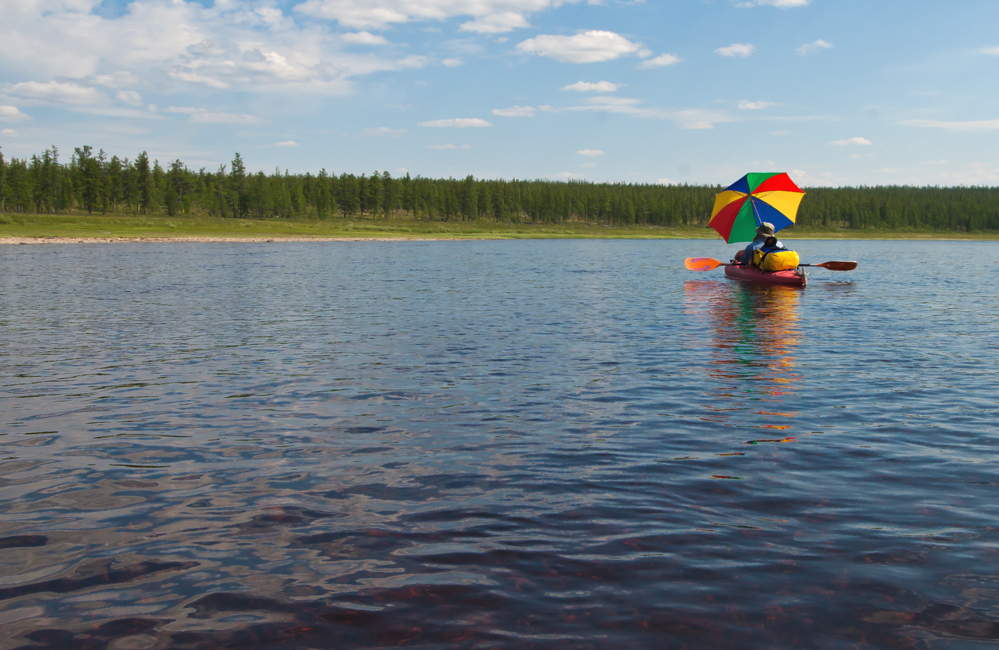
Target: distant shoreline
206	240
90	239
83	228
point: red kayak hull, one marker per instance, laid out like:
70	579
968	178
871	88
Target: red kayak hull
750	274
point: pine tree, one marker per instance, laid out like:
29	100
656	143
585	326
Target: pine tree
113	185
3	183
143	182
158	184
389	194
239	198
349	199
87	177
375	194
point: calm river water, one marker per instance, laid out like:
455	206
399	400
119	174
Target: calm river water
536	444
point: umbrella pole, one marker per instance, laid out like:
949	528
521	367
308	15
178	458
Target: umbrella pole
759	222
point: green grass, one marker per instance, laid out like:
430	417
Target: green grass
97	226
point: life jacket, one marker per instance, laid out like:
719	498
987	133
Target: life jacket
773	257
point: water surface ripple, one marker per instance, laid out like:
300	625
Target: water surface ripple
540	444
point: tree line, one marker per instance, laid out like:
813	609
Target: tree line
95	183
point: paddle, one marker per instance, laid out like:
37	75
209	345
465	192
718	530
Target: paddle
708	263
703	263
835	266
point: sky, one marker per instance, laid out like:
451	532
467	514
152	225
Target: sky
836	93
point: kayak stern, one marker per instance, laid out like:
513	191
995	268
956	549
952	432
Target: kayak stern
794	277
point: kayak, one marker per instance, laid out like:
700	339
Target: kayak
794	277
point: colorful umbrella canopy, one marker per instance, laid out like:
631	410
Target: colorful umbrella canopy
753	199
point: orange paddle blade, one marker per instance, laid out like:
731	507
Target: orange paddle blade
838	266
701	263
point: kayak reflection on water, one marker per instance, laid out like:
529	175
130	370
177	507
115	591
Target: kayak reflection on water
754	334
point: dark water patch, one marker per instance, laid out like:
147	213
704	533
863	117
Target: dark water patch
23	541
107	577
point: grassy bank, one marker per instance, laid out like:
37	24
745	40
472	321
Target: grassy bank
86	226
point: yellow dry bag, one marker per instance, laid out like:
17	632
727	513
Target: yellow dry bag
779	260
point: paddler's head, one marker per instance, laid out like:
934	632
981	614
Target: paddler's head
765	229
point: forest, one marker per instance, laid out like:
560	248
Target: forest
92	182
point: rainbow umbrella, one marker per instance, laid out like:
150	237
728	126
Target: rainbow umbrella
753	199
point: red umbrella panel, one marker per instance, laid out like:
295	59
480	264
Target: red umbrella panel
753	199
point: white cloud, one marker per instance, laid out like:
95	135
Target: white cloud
588	87
612	101
488	16
385	131
196	78
590	152
968	126
57	93
129	97
691	118
992	51
496	23
864	142
973	174
286	143
458	123
364	38
747	105
567	176
818	45
452	63
448	146
826	179
238	45
660	61
515	111
116	80
736	49
887	170
665	181
206	117
780	4
12	114
10	133
585	47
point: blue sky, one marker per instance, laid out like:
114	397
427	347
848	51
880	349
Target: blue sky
835	93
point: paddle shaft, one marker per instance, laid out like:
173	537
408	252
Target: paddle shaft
835	266
710	263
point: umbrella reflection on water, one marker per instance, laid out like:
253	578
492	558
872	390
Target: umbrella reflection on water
754	336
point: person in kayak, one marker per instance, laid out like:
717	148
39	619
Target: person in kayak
774	256
764	230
